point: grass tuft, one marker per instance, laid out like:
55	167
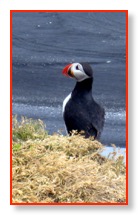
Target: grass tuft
56	168
26	129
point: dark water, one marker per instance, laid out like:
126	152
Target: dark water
43	43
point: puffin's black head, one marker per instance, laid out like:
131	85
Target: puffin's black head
80	71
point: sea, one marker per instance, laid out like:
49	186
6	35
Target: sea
43	43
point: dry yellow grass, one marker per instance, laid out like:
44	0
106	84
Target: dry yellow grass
56	168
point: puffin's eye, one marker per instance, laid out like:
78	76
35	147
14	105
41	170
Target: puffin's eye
77	67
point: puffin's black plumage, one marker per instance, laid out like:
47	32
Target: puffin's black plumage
80	111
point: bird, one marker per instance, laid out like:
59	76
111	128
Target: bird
81	113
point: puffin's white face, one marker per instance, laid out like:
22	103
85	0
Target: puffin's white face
75	70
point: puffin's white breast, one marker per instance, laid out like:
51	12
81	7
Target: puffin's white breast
65	102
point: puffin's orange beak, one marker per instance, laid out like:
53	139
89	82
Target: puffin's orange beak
67	71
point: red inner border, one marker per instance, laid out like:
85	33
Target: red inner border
58	204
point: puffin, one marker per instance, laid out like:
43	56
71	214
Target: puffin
81	113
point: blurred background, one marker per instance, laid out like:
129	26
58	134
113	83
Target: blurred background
43	43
